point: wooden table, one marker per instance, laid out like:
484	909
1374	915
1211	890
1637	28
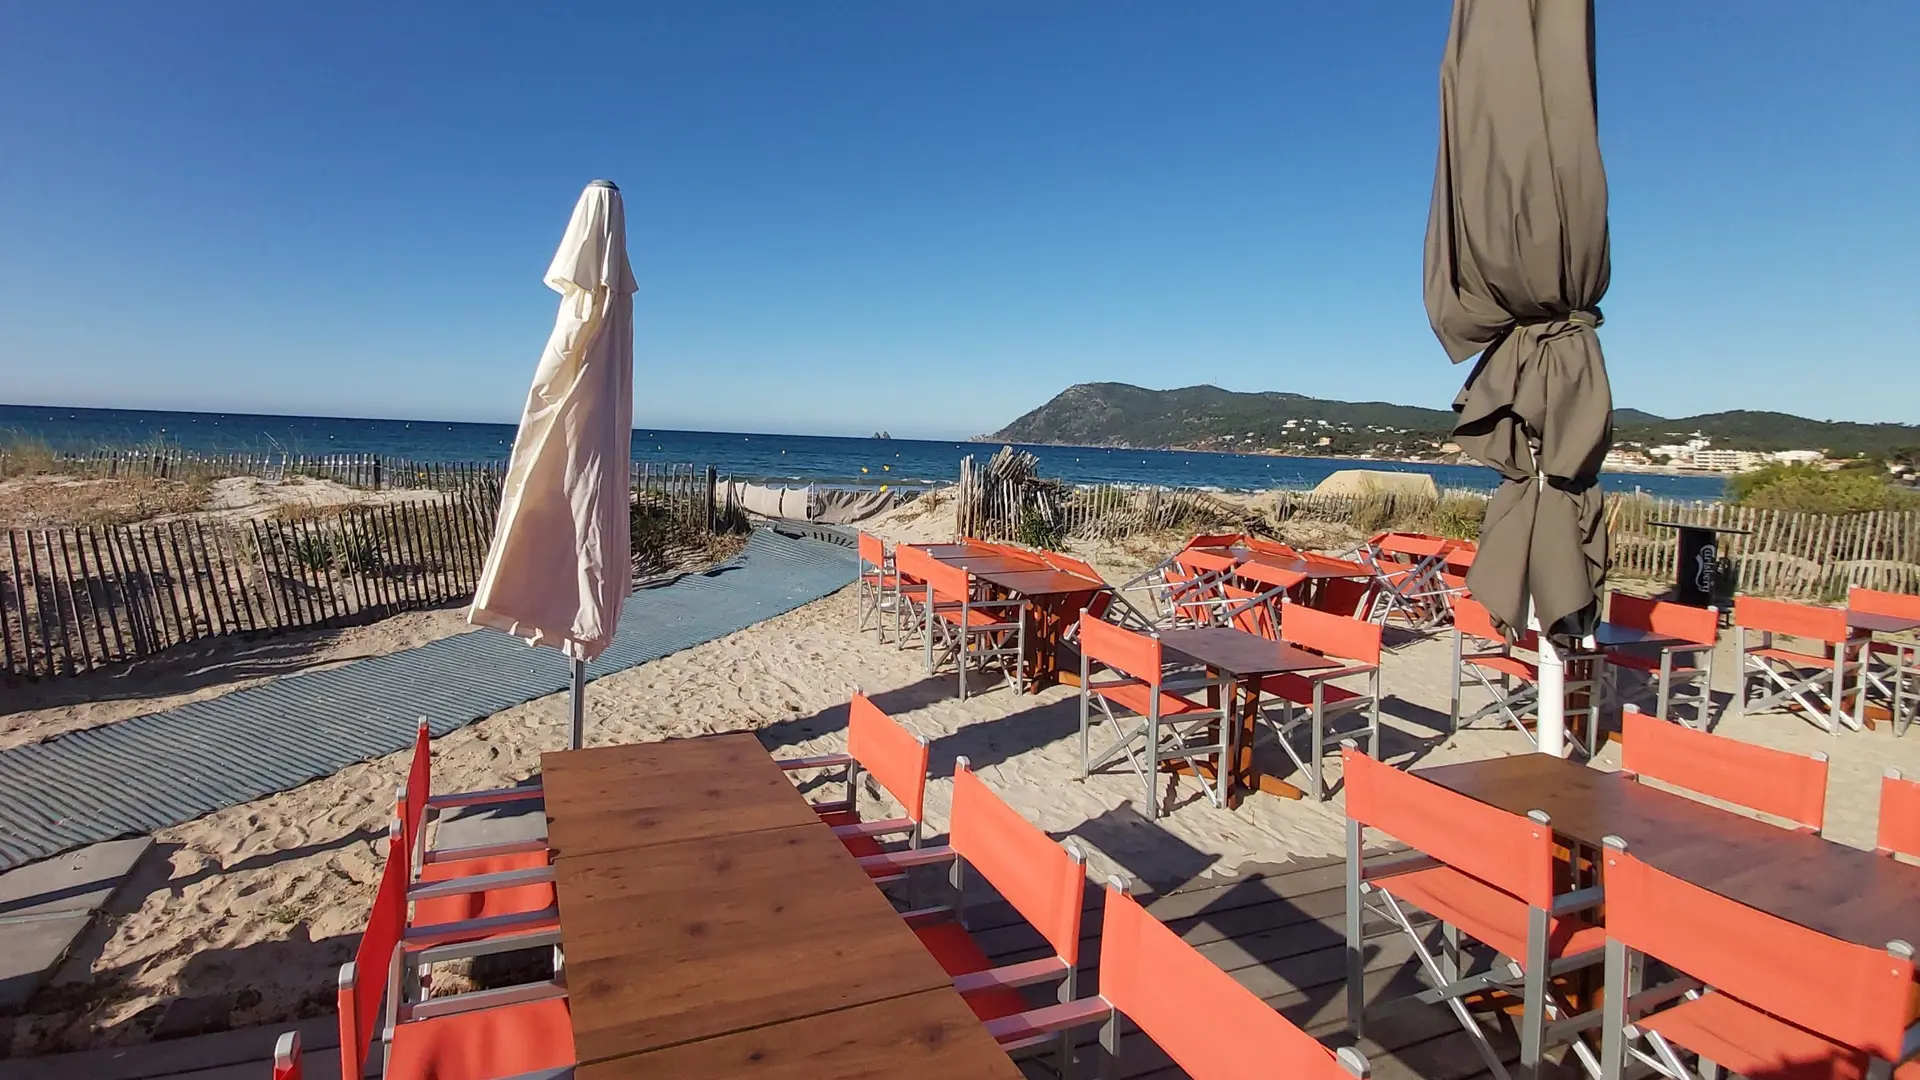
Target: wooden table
1839	891
1248	658
1871	623
714	927
1054	601
1615	636
618	797
985	564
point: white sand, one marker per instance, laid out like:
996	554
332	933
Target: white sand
260	903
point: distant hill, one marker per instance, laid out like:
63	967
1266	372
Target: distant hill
1117	414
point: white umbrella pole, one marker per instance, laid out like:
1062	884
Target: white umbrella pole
1552	728
578	700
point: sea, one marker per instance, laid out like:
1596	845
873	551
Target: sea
760	457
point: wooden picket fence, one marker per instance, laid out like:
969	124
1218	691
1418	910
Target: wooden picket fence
371	471
1781	553
80	598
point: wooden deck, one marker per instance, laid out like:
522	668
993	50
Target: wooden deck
1280	932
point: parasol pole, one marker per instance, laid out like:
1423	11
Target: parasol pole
578	700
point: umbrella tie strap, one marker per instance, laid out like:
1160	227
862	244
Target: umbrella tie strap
1587	317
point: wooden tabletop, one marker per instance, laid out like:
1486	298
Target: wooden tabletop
676	942
1239	653
1613	636
1880	624
954	551
714	926
982	564
613	797
1839	891
1042	582
926	1036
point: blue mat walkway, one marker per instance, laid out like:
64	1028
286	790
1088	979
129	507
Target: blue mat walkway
149	772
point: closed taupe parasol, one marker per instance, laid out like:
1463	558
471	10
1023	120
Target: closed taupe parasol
1516	264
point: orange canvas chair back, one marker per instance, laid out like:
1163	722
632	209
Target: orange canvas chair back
413	799
889	753
361	995
1343	596
1250	613
1852	994
1184	1003
1121	649
1771	781
911	562
1070	565
873	550
1271	549
950	583
1701	626
1471	618
1045	884
1411	547
1330	635
1197	562
1509	852
1796	620
1273	575
1899	831
1877	602
1216	540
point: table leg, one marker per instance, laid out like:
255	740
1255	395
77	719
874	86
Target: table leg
1246	716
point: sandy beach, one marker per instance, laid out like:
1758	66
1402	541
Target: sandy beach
244	915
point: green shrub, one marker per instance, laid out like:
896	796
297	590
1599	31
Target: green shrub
1035	531
313	551
1813	490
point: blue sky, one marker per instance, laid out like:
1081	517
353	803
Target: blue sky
920	217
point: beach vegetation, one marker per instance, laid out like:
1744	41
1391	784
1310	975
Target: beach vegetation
1812	490
1037	530
313	551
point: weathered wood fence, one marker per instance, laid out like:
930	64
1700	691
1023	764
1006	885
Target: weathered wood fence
372	471
80	598
1782	553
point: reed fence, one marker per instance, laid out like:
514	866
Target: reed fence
79	598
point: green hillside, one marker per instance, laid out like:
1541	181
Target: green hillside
1117	414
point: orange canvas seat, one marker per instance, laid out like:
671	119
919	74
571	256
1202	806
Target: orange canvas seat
894	758
959	627
514	879
1686	665
504	1041
1146	718
1041	880
959	954
1750	992
1487	876
1776	782
1487	914
1813	681
1207	1024
878	592
1137	696
1407	572
476	1035
1893	668
1314	698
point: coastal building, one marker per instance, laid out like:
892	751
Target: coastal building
1729	460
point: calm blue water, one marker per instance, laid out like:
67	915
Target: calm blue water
813	458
